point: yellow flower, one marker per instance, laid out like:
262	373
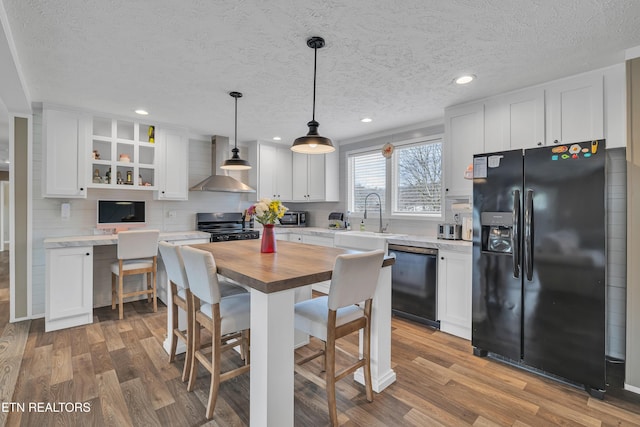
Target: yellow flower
268	211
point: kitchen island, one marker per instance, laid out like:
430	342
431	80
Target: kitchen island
273	279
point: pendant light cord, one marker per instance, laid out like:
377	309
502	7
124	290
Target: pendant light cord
315	61
235	140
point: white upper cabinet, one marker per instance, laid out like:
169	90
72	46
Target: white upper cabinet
315	177
64	152
173	172
579	108
575	109
284	173
463	137
515	120
274	172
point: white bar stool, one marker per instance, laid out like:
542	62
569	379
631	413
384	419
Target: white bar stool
223	317
354	280
137	254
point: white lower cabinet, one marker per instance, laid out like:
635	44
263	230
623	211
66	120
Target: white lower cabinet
454	293
295	237
282	236
69	301
318	240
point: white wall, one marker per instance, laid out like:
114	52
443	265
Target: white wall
616	252
4	204
47	221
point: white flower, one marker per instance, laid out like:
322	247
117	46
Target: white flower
261	208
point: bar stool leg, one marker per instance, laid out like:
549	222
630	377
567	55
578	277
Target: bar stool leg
120	291
113	291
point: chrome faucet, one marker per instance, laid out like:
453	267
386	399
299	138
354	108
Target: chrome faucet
380	229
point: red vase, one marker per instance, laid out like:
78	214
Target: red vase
268	239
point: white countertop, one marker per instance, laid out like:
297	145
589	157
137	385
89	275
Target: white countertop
112	239
407	240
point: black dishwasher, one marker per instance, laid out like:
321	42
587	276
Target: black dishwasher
413	283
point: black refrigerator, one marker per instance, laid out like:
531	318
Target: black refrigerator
539	259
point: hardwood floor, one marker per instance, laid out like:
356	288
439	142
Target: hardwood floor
119	369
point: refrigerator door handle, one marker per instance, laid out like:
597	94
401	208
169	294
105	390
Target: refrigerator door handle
528	235
515	234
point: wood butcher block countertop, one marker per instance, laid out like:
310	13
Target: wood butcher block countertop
292	265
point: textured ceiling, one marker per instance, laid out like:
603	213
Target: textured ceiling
393	61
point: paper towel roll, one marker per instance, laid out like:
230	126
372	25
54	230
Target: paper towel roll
461	207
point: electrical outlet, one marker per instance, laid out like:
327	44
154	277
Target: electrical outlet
171	214
65	211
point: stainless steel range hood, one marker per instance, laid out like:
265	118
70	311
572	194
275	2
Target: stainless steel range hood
219	181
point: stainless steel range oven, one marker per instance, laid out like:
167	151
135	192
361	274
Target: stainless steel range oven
225	226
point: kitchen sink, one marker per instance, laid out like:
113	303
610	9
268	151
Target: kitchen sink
363	240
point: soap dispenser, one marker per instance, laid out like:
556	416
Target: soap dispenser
362	225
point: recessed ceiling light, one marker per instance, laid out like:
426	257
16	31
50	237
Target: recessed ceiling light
366	120
142	112
463	80
277	138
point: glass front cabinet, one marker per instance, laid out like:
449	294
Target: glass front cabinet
123	153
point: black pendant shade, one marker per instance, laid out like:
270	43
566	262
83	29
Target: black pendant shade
312	142
235	162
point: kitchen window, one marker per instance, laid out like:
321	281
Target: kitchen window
410	186
367	174
417	178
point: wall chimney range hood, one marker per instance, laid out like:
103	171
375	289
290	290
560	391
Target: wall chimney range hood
220	182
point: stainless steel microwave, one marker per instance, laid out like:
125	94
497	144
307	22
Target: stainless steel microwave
294	219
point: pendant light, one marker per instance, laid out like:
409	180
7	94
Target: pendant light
235	162
313	143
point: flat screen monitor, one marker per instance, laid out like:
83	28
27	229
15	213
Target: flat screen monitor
121	214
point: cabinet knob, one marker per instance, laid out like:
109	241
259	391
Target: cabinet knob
539	144
446	189
441	257
163	192
555	141
87	254
81	189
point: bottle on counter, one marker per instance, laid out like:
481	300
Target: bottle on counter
152	134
